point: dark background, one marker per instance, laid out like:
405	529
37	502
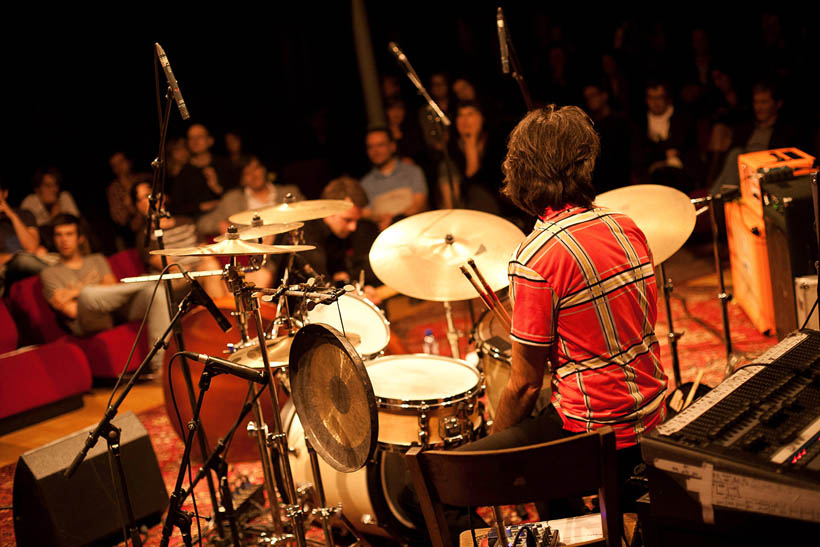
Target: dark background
287	78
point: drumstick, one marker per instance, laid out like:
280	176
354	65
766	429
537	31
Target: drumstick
692	391
485	298
490	291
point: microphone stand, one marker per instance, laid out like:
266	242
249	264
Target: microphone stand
435	113
112	433
516	66
155	214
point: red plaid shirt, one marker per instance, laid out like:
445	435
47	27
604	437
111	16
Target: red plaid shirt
583	284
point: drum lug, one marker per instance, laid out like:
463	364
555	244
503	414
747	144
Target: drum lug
456	426
424	434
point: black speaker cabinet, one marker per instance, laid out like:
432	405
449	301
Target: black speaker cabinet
85	509
791	244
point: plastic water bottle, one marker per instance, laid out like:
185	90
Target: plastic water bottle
430	344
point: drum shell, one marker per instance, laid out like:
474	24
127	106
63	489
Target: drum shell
399	419
226	394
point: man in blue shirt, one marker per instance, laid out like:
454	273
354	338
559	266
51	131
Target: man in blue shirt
395	189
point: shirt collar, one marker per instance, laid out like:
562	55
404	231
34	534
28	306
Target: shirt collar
551	214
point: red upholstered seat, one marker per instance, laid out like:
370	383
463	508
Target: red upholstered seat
35	376
106	351
126	263
8	330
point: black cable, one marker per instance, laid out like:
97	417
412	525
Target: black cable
811	311
341	321
137	337
530	540
116	495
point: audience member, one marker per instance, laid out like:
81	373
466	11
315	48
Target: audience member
664	150
256	191
434	135
612	168
394	188
88	298
176	157
404	131
120	204
21	254
48	201
204	179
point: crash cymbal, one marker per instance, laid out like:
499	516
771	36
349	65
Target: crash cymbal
665	215
251	357
248	233
233	246
420	256
333	397
296	211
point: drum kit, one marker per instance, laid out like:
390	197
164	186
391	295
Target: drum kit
348	403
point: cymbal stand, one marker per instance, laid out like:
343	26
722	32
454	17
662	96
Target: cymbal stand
278	439
452	333
326	513
673	336
236	282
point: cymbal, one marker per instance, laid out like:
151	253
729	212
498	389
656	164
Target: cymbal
248	233
296	211
665	215
233	247
251	357
333	396
420	256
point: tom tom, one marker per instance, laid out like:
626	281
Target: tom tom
364	323
426	400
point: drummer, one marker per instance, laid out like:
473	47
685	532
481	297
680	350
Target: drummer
584	299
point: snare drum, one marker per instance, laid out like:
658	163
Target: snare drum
369	496
364	323
492	342
426	400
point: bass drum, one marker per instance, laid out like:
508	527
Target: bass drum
369	496
226	395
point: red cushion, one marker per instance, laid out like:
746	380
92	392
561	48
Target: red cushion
37	375
108	350
8	330
126	264
37	319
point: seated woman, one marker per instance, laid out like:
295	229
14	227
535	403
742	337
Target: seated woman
48	201
472	178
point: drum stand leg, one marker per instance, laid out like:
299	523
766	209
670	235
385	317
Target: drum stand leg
260	430
326	513
673	336
452	334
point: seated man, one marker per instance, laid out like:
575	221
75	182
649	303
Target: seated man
88	298
256	191
48	201
178	232
395	189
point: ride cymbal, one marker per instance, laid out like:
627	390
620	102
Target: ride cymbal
420	256
665	215
296	211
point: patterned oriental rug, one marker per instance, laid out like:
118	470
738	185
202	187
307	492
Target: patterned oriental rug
696	314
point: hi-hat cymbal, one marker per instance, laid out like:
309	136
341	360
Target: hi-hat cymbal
420	256
249	233
665	215
233	247
296	211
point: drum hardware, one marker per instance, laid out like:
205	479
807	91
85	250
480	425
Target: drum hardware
667	218
296	211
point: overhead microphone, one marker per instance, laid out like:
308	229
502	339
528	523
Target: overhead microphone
224	366
502	42
202	297
169	75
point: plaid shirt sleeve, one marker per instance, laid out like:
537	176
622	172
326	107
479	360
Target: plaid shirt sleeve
534	304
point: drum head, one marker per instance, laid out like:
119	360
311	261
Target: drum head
333	397
364	325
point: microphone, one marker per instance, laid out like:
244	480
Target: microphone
169	75
199	296
502	42
223	366
394	47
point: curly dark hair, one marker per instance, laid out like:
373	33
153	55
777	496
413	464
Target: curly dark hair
550	158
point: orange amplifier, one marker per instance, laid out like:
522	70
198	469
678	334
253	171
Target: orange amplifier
752	167
751	279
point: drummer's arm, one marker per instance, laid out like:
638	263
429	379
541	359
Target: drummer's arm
522	390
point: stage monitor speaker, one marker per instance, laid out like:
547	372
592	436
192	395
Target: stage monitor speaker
792	247
50	509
